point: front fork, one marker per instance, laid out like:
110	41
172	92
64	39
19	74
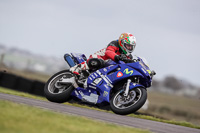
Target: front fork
130	86
127	88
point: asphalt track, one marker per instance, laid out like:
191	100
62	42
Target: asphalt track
157	127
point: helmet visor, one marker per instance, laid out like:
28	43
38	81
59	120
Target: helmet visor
128	46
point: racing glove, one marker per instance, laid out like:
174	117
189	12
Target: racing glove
117	58
122	57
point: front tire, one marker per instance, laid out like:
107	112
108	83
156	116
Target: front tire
56	92
125	105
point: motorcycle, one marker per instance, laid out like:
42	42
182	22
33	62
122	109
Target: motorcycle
123	84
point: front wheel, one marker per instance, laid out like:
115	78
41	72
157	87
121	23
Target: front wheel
124	105
57	92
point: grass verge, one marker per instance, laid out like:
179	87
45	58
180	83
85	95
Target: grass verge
181	123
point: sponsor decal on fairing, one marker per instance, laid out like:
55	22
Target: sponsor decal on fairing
119	74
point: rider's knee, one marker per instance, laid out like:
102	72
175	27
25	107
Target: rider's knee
95	63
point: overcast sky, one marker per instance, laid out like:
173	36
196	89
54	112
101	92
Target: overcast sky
167	31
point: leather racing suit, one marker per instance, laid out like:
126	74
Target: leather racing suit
109	52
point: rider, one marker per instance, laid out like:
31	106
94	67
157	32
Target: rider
116	50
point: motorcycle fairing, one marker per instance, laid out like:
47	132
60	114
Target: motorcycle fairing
134	85
100	82
122	72
139	66
78	57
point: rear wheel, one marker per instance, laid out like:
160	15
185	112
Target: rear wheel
57	92
123	105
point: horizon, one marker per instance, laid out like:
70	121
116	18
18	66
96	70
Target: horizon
180	79
167	32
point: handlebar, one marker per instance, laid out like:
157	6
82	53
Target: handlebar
124	58
129	60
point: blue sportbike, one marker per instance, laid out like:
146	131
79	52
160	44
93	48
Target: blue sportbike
123	84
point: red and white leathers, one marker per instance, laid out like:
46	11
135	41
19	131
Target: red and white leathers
77	68
109	52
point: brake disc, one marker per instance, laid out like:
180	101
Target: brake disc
125	100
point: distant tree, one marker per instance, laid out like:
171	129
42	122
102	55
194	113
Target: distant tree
1	59
172	82
155	84
198	93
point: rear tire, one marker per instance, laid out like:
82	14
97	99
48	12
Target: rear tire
125	105
56	92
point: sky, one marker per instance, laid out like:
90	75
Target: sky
167	31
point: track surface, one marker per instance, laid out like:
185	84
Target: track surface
153	126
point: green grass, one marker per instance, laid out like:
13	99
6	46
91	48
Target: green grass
179	108
181	123
18	118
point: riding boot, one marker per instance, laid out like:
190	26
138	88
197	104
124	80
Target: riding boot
78	68
81	73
